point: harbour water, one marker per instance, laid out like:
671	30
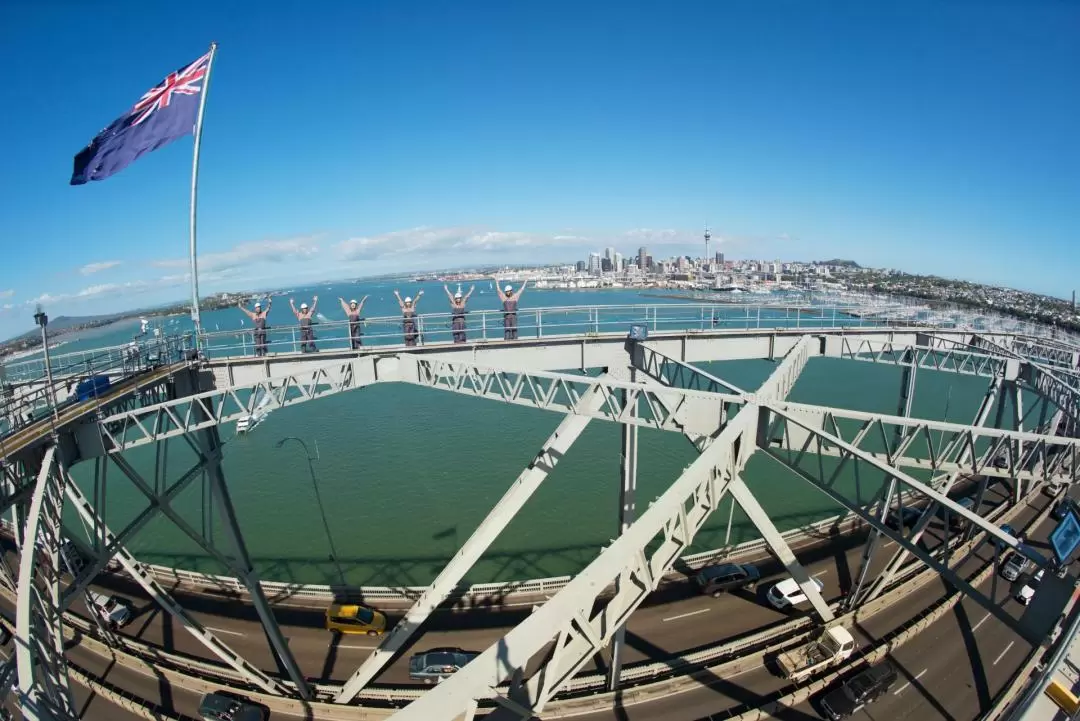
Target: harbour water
404	474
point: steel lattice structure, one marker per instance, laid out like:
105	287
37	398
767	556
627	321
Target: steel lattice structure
652	384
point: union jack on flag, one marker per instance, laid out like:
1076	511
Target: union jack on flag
184	81
165	113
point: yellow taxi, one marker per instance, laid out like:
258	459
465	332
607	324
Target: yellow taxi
354	618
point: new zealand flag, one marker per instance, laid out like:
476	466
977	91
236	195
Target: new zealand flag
161	116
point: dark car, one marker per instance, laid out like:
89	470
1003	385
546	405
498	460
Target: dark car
907	517
859	690
219	707
438	663
714	580
956	521
1062	509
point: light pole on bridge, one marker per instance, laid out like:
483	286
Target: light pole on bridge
50	393
318	499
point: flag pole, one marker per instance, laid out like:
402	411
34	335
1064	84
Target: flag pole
194	195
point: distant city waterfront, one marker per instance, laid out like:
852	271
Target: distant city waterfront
406	473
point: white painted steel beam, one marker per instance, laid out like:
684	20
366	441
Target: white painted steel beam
1044	458
576	620
206	409
670	409
500	516
44	691
135	569
885	578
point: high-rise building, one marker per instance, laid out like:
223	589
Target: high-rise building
609	253
594	264
605	265
580	267
719	258
642	258
616	263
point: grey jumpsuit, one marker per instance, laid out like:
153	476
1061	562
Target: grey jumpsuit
354	329
260	335
307	336
408	324
510	328
457	323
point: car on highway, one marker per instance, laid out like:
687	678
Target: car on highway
714	580
858	691
110	609
221	707
1062	509
435	664
1025	594
788	593
906	518
1013	565
353	618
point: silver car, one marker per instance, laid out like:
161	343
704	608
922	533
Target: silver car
1014	565
438	663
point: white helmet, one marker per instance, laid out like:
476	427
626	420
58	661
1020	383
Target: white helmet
352	302
258	305
457	295
508	289
303	306
408	299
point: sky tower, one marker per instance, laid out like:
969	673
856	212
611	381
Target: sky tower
707	236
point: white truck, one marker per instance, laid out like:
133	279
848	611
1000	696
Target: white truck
831	647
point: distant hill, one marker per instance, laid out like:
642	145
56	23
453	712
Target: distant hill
837	261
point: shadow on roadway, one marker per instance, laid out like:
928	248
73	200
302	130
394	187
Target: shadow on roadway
744	698
978	672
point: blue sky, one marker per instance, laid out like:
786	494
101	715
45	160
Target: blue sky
344	139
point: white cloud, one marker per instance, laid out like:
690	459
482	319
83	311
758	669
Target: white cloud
247	254
448	240
91	268
6	293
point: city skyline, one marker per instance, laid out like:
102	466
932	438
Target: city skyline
402	138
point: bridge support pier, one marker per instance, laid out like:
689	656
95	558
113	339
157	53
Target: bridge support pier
627	492
907	398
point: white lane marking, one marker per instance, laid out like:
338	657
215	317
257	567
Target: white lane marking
369	648
899	690
683	615
981	622
1002	654
222	630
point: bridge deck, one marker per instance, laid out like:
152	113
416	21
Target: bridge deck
28	435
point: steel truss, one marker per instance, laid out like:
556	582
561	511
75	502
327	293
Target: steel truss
205	409
933	354
559	637
44	691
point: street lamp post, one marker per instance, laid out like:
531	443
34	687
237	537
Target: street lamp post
318	498
50	393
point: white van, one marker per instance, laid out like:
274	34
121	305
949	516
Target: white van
787	593
110	609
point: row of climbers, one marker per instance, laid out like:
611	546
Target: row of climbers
410	329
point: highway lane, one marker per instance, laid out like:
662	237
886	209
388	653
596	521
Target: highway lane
956	667
682	620
721	695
